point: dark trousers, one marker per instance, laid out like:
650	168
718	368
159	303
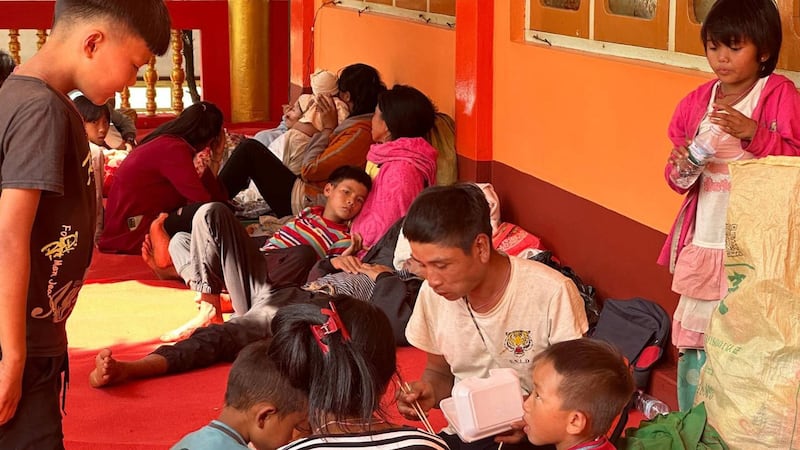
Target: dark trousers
37	422
221	343
220	255
251	160
181	219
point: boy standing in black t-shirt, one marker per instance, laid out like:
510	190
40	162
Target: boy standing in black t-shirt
47	203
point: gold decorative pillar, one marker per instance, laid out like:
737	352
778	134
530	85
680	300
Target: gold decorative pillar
125	98
249	38
177	76
41	38
13	45
150	80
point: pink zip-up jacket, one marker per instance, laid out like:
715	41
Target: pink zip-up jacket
778	133
407	166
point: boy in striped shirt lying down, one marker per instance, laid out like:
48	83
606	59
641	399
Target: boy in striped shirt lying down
218	254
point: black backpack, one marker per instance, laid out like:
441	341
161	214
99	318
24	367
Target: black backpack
586	291
640	330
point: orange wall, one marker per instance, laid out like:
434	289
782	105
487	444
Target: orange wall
402	51
589	124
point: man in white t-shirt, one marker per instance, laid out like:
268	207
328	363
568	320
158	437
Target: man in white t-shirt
478	309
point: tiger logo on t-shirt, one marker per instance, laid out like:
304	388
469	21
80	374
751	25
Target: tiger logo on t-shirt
518	342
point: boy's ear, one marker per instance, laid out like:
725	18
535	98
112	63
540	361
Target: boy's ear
91	41
263	411
328	189
577	423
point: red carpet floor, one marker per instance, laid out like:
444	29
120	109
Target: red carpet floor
124	308
116	311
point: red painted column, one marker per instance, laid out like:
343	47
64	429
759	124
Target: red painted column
211	18
474	88
301	19
279	57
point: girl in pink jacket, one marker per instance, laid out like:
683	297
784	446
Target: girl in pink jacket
747	112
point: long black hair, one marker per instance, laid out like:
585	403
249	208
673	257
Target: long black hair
364	84
348	380
406	111
198	125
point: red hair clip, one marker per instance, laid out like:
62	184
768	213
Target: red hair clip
332	325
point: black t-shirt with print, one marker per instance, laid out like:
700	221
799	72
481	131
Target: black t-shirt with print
43	146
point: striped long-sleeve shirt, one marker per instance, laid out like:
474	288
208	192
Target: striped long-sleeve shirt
310	228
392	439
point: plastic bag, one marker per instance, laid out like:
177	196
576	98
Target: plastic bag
751	380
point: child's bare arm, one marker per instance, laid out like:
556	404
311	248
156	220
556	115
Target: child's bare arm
17	211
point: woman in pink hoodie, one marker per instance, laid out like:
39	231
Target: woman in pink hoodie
401	163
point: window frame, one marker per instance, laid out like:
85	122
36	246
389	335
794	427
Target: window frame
387	7
674	20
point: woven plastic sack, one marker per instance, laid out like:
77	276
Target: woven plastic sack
751	380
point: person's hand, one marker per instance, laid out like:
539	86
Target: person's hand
356	243
413	266
373	270
10	389
327	112
514	436
217	146
349	264
422	392
201	161
733	122
678	156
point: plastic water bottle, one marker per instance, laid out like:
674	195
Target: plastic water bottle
702	148
649	405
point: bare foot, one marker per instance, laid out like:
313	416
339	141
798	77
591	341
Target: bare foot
163	273
160	242
225	303
107	370
207	315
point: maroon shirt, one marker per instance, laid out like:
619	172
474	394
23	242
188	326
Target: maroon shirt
158	176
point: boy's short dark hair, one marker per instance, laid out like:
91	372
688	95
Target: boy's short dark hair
730	22
89	111
6	66
406	111
354	173
451	216
595	380
254	378
149	19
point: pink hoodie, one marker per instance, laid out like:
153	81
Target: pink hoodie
778	133
407	166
